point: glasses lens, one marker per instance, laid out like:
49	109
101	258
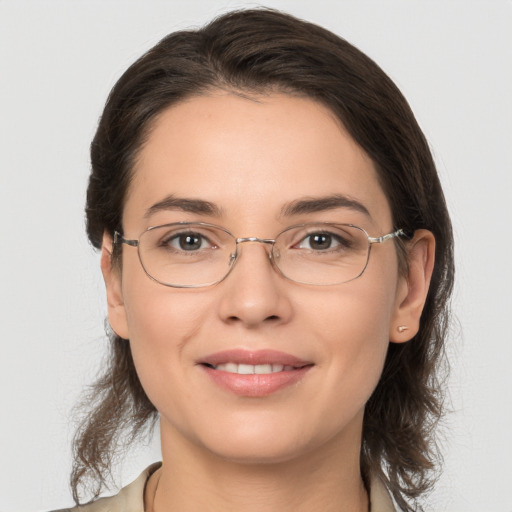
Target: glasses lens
322	254
186	254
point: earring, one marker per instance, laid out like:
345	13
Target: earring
402	328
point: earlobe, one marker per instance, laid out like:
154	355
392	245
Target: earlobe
413	288
112	277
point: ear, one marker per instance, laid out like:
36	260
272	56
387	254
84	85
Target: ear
413	288
112	277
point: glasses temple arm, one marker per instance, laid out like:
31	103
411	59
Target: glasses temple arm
118	238
383	238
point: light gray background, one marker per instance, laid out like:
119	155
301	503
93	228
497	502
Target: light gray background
58	60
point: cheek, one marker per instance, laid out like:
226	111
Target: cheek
161	321
165	321
352	327
358	313
157	315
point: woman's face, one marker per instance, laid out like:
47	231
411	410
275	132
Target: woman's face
252	160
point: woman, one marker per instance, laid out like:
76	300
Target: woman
269	215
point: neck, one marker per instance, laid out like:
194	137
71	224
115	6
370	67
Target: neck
193	479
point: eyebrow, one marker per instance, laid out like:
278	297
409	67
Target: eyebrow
171	202
296	207
321	204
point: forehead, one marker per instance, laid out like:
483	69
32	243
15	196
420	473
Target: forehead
251	156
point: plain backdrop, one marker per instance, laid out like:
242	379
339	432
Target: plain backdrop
58	61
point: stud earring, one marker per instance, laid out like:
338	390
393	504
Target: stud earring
402	328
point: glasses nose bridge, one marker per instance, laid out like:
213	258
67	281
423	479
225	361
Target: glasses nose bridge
252	239
268	241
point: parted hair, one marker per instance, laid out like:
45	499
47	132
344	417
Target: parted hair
259	51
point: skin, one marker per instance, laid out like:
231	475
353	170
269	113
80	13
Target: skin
297	449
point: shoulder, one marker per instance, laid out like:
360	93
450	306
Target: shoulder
129	498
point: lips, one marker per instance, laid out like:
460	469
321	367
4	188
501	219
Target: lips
259	357
254	374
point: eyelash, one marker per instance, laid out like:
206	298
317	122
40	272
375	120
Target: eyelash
166	241
340	242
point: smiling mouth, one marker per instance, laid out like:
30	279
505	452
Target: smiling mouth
254	374
253	369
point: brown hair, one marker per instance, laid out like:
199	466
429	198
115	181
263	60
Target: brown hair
256	51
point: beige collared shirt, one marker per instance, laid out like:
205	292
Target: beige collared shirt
131	497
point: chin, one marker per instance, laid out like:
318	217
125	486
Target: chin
258	453
259	443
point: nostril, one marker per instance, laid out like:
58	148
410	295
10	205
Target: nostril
236	318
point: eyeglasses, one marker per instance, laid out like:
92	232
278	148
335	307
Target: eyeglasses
197	254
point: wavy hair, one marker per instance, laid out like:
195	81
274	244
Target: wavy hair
260	51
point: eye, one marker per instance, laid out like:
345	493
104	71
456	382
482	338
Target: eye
188	242
322	241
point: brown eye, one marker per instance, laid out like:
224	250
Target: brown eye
188	242
321	242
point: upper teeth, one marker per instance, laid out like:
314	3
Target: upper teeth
248	369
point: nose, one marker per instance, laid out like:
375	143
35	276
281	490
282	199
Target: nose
254	293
